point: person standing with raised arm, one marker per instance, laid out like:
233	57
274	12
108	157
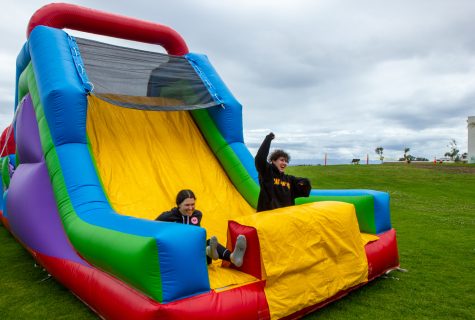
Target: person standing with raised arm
277	188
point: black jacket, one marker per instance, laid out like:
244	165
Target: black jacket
277	188
174	215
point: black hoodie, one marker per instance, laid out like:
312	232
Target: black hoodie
277	188
174	215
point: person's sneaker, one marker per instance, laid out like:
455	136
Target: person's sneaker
211	250
237	257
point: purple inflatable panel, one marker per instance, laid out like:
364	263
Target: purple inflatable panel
33	214
26	134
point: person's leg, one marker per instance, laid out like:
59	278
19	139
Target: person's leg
223	253
237	256
208	259
211	248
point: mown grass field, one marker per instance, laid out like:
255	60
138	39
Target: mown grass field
432	209
433	212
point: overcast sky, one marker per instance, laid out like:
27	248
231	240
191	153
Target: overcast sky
335	77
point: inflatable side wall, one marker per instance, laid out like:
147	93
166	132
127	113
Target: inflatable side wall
53	83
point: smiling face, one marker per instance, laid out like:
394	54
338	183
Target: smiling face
187	207
281	163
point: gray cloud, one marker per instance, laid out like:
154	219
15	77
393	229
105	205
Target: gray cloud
336	77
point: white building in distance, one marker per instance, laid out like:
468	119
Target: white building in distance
471	139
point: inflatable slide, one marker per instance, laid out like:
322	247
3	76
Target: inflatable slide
102	139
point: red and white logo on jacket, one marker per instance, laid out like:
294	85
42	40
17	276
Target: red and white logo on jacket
194	220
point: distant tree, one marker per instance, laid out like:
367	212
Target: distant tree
407	157
413	158
379	151
453	154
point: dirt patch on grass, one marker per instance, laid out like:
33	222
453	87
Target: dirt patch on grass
445	167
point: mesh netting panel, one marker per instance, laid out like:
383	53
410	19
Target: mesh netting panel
141	79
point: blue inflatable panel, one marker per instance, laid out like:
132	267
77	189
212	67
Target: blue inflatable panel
227	116
58	82
12	159
3	202
182	256
22	61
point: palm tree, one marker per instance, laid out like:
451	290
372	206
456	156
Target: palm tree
379	151
453	154
406	156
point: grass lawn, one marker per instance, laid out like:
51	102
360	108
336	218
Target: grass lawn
26	292
432	210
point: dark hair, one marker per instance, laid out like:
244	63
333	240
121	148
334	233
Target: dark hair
276	154
184	194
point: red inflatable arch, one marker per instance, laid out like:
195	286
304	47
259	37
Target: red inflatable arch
7	142
63	15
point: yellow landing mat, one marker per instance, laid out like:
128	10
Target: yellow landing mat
222	279
310	252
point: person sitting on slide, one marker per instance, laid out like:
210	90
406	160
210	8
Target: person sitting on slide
185	213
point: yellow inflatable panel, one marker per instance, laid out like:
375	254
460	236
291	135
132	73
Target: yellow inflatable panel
145	157
310	252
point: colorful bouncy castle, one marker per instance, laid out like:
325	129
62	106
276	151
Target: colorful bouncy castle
102	139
